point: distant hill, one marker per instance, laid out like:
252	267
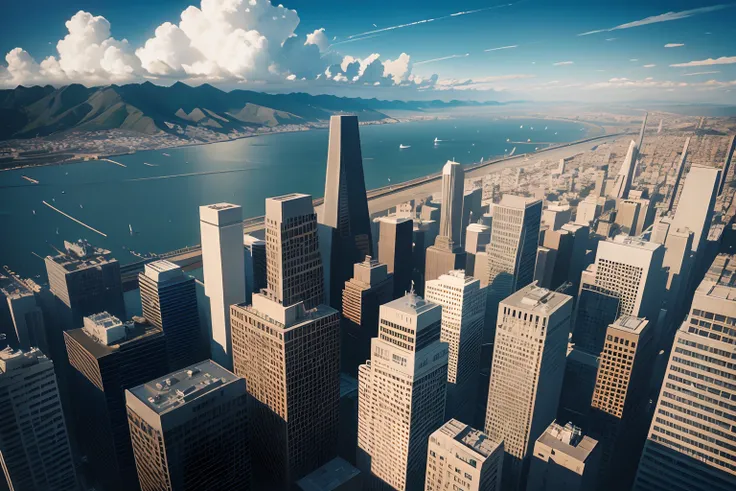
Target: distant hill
26	112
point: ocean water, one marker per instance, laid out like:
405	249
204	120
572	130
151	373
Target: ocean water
158	193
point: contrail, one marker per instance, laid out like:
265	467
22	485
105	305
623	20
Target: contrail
441	59
502	47
74	219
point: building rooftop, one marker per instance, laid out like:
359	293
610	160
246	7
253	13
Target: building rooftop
251	240
176	389
14	287
163	270
286	318
513	201
533	298
395	220
630	323
478	227
329	477
634	242
456	277
95	338
720	280
411	304
221	214
469	437
447	168
569	440
81	255
16	359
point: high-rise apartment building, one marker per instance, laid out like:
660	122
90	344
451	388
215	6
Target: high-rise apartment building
463	303
345	214
221	228
698	198
370	287
109	356
527	373
34	444
691	444
620	414
290	359
255	265
462	458
189	430
563	459
293	263
447	254
401	393
169	301
86	280
395	250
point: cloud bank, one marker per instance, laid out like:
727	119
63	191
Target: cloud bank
235	41
723	60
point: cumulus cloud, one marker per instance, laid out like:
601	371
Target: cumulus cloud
699	73
723	60
235	41
655	19
673	45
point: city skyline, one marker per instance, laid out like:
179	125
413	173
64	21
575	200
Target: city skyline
504	51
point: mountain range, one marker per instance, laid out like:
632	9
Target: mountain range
26	112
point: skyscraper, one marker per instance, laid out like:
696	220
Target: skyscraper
189	430
290	359
345	211
563	459
463	304
697	199
25	318
620	415
109	356
477	237
169	301
527	373
85	279
622	184
294	266
447	254
34	444
462	458
221	227
255	265
395	251
370	287
690	445
678	175
401	393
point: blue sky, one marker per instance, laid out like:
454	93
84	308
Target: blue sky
545	57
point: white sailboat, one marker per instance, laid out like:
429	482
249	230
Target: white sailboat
130	227
402	146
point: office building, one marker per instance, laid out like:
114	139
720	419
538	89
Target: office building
477	237
109	356
581	369
527	373
221	228
189	430
678	176
21	316
544	266
86	280
370	287
463	303
462	458
620	413
726	170
472	206
345	213
678	259
627	214
395	249
294	267
401	394
335	475
563	459
169	301
290	359
698	199
34	444
255	265
556	215
691	439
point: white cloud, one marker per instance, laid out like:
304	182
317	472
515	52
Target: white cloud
655	19
561	63
625	83
480	83
649	66
634	59
235	41
699	73
502	47
673	45
723	60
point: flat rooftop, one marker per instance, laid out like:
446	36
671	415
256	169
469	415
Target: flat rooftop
456	277
11	359
393	219
568	440
469	437
635	242
720	280
533	298
411	304
135	333
176	389
630	323
81	255
14	287
330	476
513	201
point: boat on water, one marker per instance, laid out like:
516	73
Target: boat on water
165	154
545	128
57	230
63	192
528	140
402	146
34	211
508	139
130	227
80	205
521	127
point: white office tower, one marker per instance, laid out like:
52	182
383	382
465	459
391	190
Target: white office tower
526	375
294	266
401	394
463	303
461	458
451	214
564	460
34	445
221	228
692	444
695	207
